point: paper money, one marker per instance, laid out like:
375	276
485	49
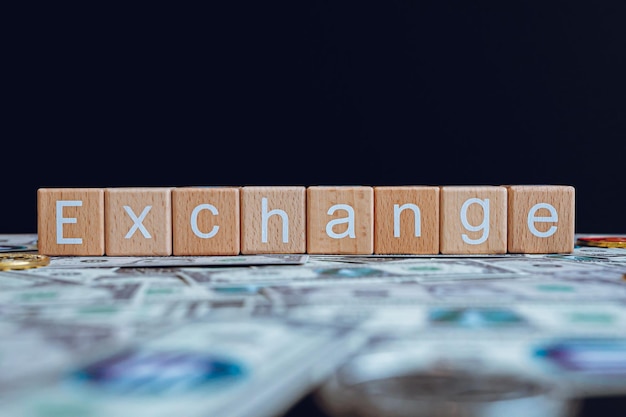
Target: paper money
252	335
226	368
26	242
178	261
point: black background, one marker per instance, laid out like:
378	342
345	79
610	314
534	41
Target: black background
306	92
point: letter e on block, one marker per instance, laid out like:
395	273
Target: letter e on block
541	218
70	221
138	221
406	220
473	219
340	220
273	219
205	221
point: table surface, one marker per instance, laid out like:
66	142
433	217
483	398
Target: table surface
309	335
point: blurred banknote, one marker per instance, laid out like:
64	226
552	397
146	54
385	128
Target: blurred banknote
24	242
251	335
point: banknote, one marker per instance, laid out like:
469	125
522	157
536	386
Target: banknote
168	261
33	353
436	377
389	272
252	335
428	354
25	242
223	368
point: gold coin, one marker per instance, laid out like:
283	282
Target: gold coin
603	242
10	261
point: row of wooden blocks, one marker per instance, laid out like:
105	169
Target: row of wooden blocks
233	220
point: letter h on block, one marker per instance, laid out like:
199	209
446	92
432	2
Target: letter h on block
273	219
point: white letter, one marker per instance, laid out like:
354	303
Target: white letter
194	221
61	220
396	218
554	217
137	221
265	215
349	220
484	226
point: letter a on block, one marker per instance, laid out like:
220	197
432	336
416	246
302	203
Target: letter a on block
541	218
70	221
138	221
340	220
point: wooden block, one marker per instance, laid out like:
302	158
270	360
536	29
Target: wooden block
273	219
541	218
70	221
473	219
340	220
205	221
406	220
138	221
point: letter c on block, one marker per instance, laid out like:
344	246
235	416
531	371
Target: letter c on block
194	221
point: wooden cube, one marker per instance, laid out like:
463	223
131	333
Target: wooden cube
273	219
205	221
406	220
473	219
340	220
70	221
541	218
138	221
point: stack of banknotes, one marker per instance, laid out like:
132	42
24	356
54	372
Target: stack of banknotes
363	336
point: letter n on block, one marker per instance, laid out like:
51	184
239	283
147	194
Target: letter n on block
340	220
406	220
473	219
541	218
205	221
138	221
70	221
273	219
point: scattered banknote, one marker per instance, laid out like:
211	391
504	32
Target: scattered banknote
253	335
217	368
165	261
25	242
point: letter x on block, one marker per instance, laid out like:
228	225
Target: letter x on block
138	221
273	219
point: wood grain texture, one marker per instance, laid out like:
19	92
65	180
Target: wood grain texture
455	237
418	225
144	227
541	218
84	222
407	219
205	221
347	213
273	219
